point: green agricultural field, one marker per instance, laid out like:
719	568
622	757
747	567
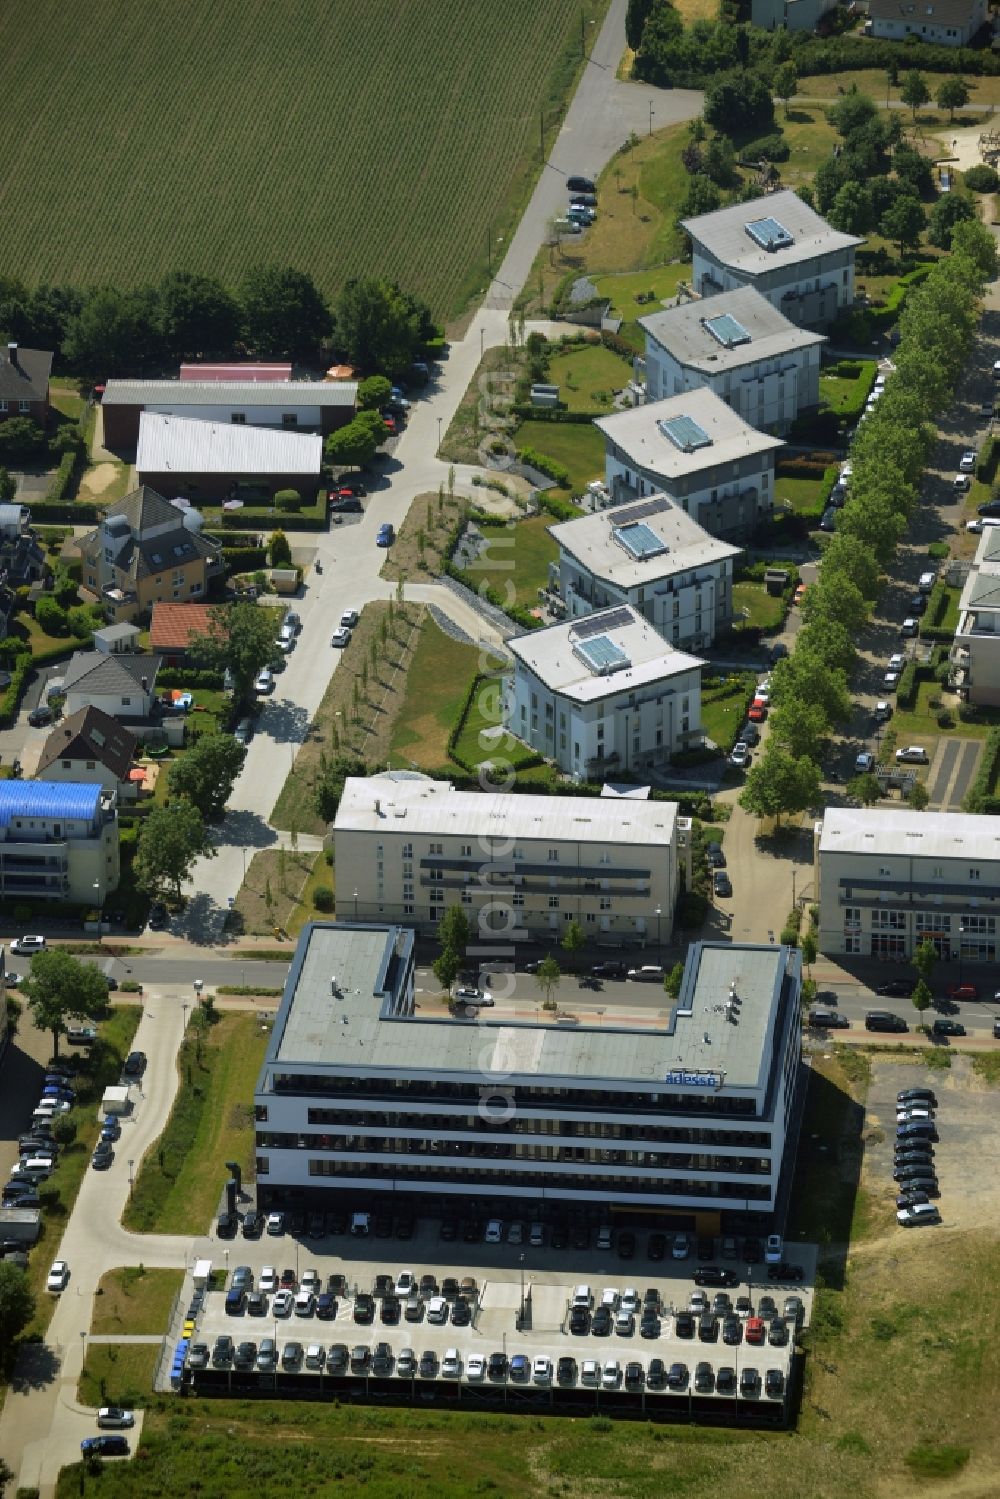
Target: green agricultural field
346	140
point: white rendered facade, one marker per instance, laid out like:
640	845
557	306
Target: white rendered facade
412	846
975	651
741	348
892	879
596	719
681	582
688	1116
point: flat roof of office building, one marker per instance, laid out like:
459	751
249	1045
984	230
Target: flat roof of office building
929	835
720	1033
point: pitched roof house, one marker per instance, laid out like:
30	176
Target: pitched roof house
144	550
90	746
122	686
173	625
24	383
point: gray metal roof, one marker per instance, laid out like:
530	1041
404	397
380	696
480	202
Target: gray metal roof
724	234
883	830
106	675
353	1031
683	332
186	445
956	13
176	394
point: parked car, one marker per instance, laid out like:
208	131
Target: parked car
105	1446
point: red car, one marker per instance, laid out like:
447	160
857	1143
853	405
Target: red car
962	991
754	1332
390	422
758	711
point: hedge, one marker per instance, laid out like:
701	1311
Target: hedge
244	559
987	462
802	466
616	343
517	612
937	608
56	491
524	411
848	53
271	520
561	509
77	513
190	676
906	691
979	797
556	471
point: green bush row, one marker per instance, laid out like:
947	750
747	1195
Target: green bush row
524	411
10	702
189	676
271	520
517	612
906	691
244	559
561	509
980	795
545	465
76	512
61	480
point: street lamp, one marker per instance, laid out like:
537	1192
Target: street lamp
355	905
131	1176
97	904
184	1015
659	913
520	1320
650	119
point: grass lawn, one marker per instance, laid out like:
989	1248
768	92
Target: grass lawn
134	1300
724	703
588	375
804	496
483	738
103	483
116	1374
654	286
211	713
580	449
756	606
520	555
436	682
58	1194
178	1185
64	395
920	726
841	394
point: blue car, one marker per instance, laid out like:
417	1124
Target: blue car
386	536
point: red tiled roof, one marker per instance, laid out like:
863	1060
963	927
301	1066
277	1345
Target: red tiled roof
173	625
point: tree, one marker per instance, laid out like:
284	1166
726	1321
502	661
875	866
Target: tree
982	179
548	975
799	727
115	332
809	949
242	638
8	486
974	243
903	221
17	1304
922	998
914	91
198	316
635	21
453	929
952	94
59	988
851	112
702	196
284	314
851	209
381	327
949	210
779	784
924	958
807	675
785	83
672	981
865	789
837	600
170	840
21	440
572	940
919	796
207	773
279	550
51	616
351	446
373	393
719	161
446	967
913	170
738	101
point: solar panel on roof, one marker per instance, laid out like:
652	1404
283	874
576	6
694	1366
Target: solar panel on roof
685	433
769	234
639	540
599	624
626	513
601	655
727	330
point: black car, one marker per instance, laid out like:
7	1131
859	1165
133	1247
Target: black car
198	1356
560	1236
721	1303
766	1308
107	1444
774	1383
295	1224
657	1246
580	1236
382	1226
20	1197
649	1327
315	1226
448	1232
677	1377
708	1328
749	1383
253	1224
714	855
601	1324
732	1331
634	1377
566	1370
382	1359
948	1028
390	1310
784	1271
326	1306
704	1379
227	1225
472	1232
897	988
609	970
684	1324
579	1321
496	1366
364	1307
360	1358
134	1064
384	1284
346	504
158	915
222	1353
725	1380
721	883
404	1226
626	1245
245	1356
991	507
656	1374
461	1316
918	1095
706	1248
338	1359
715	1275
777	1332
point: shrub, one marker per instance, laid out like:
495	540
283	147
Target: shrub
323	898
979	796
556	471
288	500
906	691
281	552
61	480
982	179
768	148
51	616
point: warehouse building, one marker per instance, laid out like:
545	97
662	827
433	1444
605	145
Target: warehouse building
212	462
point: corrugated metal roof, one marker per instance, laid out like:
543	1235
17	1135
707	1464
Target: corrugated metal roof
177	393
73	800
186	445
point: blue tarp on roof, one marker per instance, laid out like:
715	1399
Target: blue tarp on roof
73	800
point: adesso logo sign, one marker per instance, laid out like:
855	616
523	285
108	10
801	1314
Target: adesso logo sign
681	1079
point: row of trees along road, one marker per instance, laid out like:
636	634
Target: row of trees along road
809	688
241	638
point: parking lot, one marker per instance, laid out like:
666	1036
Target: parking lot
549	1282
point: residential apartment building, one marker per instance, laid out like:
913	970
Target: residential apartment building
696	450
890	880
948	23
975	651
58	841
789	15
683	1117
781	246
22	560
522	866
604	695
147	549
656	559
739	346
291	405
